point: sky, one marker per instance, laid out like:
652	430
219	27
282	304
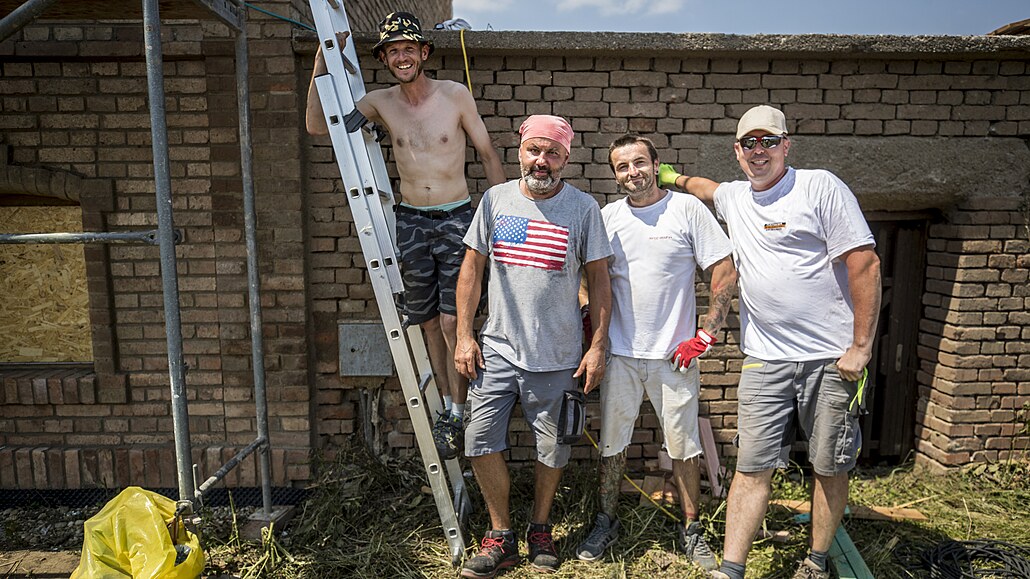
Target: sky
908	17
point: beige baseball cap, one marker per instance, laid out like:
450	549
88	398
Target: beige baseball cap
762	118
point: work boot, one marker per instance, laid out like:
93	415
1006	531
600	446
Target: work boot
809	570
448	435
498	551
604	533
543	558
692	542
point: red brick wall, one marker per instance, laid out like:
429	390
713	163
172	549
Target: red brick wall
74	99
975	335
675	100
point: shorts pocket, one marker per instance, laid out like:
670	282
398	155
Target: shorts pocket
849	439
753	378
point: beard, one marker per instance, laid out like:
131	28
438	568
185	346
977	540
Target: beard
638	193
538	185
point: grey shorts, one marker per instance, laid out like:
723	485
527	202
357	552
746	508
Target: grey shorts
492	397
775	397
430	247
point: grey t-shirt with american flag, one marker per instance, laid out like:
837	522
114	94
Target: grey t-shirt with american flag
537	250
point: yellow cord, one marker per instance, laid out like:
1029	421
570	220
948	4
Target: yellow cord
625	476
468	77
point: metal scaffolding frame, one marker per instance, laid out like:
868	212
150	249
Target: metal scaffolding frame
233	14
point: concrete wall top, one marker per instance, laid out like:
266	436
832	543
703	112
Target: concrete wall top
722	45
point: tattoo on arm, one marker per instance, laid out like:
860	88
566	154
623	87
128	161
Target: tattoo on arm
718	308
611	469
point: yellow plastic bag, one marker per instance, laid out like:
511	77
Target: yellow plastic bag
132	536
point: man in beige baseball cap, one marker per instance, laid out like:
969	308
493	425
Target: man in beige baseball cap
809	281
762	118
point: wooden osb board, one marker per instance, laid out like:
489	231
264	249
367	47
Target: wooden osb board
44	305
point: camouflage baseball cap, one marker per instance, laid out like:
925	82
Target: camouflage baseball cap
400	26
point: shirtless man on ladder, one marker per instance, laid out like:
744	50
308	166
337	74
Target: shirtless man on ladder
428	121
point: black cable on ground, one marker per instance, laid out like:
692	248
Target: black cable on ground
967	560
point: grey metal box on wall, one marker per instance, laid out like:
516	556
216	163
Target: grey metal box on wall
364	350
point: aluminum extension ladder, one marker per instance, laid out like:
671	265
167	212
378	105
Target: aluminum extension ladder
371	202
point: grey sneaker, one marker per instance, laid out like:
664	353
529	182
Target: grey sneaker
604	533
717	575
692	542
809	570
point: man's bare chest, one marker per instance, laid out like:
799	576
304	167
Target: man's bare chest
424	128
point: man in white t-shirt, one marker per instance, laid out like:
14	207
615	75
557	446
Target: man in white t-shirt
659	240
809	304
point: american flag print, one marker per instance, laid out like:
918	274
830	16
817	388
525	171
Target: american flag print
529	243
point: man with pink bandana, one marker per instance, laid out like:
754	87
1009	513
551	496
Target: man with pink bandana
539	235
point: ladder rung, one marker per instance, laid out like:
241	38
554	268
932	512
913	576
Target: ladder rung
424	382
349	65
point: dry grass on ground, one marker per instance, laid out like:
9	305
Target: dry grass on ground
366	519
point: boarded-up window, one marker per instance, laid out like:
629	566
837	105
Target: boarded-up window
44	305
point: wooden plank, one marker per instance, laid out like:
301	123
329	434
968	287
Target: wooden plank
886	514
654	487
846	558
664	461
859	511
793	505
711	458
781	536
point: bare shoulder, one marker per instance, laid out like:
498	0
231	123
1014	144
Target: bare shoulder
454	91
381	95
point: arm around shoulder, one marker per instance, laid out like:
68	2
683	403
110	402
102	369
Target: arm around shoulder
703	189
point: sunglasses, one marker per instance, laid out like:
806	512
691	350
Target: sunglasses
767	142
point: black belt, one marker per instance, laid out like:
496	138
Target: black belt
434	213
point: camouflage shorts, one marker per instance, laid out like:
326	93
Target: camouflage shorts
431	250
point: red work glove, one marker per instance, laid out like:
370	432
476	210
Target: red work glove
588	326
692	348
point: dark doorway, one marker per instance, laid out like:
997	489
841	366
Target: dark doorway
889	427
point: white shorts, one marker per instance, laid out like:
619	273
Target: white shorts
673	395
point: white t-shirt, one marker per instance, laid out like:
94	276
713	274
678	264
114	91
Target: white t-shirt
794	300
656	251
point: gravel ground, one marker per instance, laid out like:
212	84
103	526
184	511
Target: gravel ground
60	528
43	528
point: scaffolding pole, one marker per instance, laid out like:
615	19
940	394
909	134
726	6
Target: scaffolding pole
23	15
253	277
150	237
166	242
166	237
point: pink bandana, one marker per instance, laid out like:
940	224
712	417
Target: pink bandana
549	127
